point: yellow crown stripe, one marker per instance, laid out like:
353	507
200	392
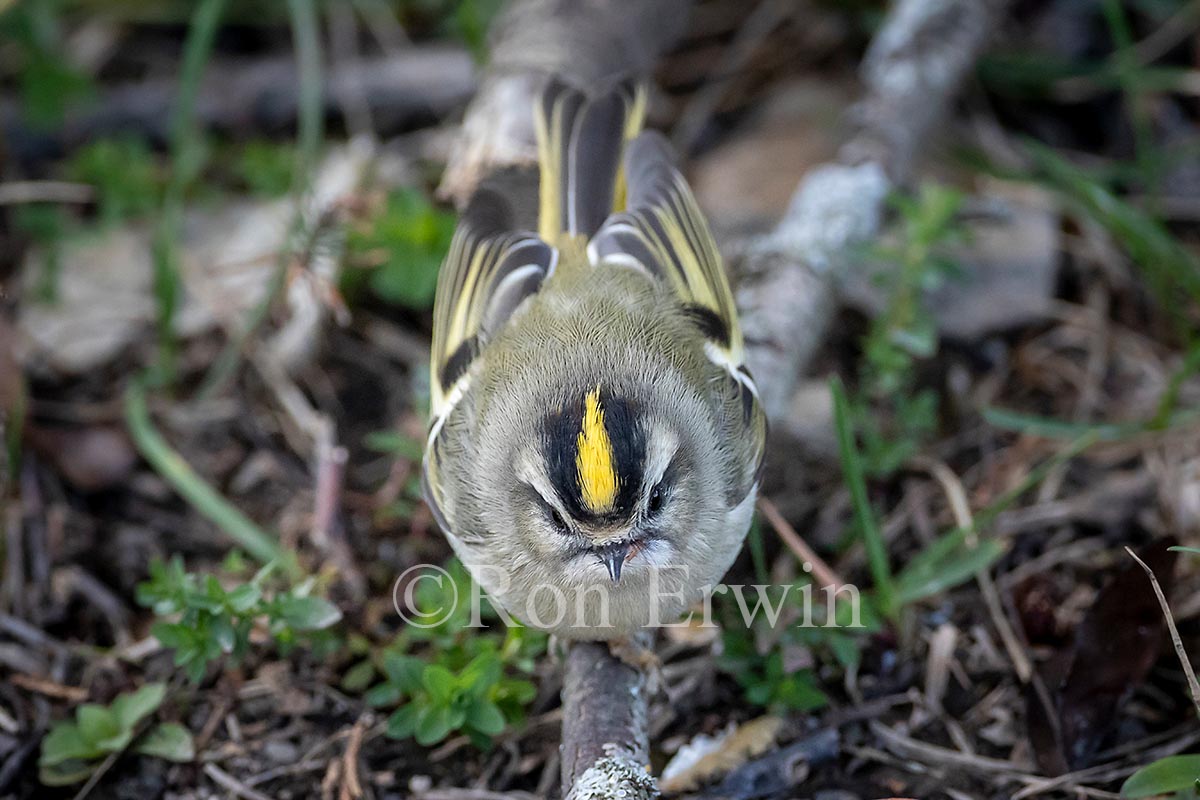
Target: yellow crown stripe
594	458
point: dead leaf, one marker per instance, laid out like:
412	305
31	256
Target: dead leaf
706	758
1113	649
104	289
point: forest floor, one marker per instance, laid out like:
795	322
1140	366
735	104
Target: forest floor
214	395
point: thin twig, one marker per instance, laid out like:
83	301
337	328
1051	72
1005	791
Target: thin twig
351	786
965	520
1193	684
18	192
232	784
825	574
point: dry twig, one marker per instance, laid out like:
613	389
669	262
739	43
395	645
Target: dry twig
1193	684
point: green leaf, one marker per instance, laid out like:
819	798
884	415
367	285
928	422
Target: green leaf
800	693
482	673
403	723
170	741
434	723
132	708
65	742
485	717
1170	774
359	677
124	174
519	692
1050	428
394	443
97	724
384	694
845	650
66	773
404	671
223	634
265	167
404	248
1181	549
309	613
244	597
439	682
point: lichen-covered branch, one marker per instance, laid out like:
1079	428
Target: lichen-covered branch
785	280
605	745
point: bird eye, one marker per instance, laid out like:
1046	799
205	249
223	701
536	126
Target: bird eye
657	496
556	519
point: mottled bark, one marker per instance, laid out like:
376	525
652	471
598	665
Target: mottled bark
606	748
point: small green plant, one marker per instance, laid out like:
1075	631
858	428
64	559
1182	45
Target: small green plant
402	249
465	678
891	414
214	622
72	750
266	168
127	179
478	700
466	20
31	35
770	678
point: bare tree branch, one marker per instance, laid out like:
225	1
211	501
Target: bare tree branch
605	744
785	289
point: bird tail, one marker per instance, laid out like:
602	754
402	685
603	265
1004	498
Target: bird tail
581	138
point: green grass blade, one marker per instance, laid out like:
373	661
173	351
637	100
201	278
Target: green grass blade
923	569
311	117
186	159
171	466
1036	475
307	40
1050	428
1168	266
950	571
864	515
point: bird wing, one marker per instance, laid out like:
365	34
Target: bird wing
664	233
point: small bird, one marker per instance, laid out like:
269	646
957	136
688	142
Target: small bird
596	440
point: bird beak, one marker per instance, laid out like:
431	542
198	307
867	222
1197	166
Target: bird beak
613	558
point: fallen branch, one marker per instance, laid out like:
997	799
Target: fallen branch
400	90
785	280
911	71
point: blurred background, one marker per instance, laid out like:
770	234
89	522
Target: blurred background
220	231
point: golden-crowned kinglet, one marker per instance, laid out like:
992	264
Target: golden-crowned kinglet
596	439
